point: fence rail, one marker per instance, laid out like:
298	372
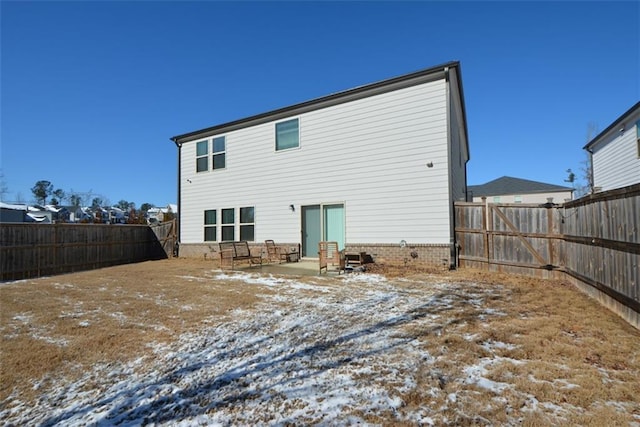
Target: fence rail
595	241
32	250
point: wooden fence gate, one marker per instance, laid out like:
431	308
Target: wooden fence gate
514	238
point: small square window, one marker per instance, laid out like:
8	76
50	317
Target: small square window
228	233
228	216
246	233
210	217
287	135
210	234
246	215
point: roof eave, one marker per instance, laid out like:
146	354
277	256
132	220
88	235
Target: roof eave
613	125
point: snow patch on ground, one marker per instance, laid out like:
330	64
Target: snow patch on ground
321	352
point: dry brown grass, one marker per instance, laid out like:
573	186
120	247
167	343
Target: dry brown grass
102	316
545	340
569	342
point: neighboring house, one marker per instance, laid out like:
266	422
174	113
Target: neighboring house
12	212
515	190
615	153
156	215
58	213
368	167
24	213
117	215
39	214
100	215
81	214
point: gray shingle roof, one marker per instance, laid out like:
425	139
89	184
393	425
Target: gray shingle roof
510	185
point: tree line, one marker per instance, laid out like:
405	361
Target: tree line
43	190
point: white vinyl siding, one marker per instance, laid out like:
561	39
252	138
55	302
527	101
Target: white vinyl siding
370	153
615	161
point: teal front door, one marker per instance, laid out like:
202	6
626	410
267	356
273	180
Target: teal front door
321	222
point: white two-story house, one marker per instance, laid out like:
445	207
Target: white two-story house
615	152
368	167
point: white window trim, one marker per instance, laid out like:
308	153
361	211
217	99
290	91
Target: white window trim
275	135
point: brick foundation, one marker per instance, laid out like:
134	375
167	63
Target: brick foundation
411	254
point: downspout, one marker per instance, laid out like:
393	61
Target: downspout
452	227
179	222
591	182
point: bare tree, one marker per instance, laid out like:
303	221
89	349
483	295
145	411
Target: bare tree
3	185
586	165
59	196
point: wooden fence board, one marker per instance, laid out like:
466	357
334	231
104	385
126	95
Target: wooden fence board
32	250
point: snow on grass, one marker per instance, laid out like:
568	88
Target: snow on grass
311	353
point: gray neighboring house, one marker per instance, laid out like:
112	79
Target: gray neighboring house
12	213
516	190
24	213
615	152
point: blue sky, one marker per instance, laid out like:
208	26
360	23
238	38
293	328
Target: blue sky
91	92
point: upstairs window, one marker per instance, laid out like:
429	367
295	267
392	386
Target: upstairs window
219	153
287	135
202	156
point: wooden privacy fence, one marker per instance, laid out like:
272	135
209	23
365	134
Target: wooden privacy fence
594	241
32	250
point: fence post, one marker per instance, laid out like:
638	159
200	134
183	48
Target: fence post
485	229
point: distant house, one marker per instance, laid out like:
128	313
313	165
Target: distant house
101	215
58	213
156	215
615	152
39	214
516	190
24	213
12	212
369	168
81	214
117	215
